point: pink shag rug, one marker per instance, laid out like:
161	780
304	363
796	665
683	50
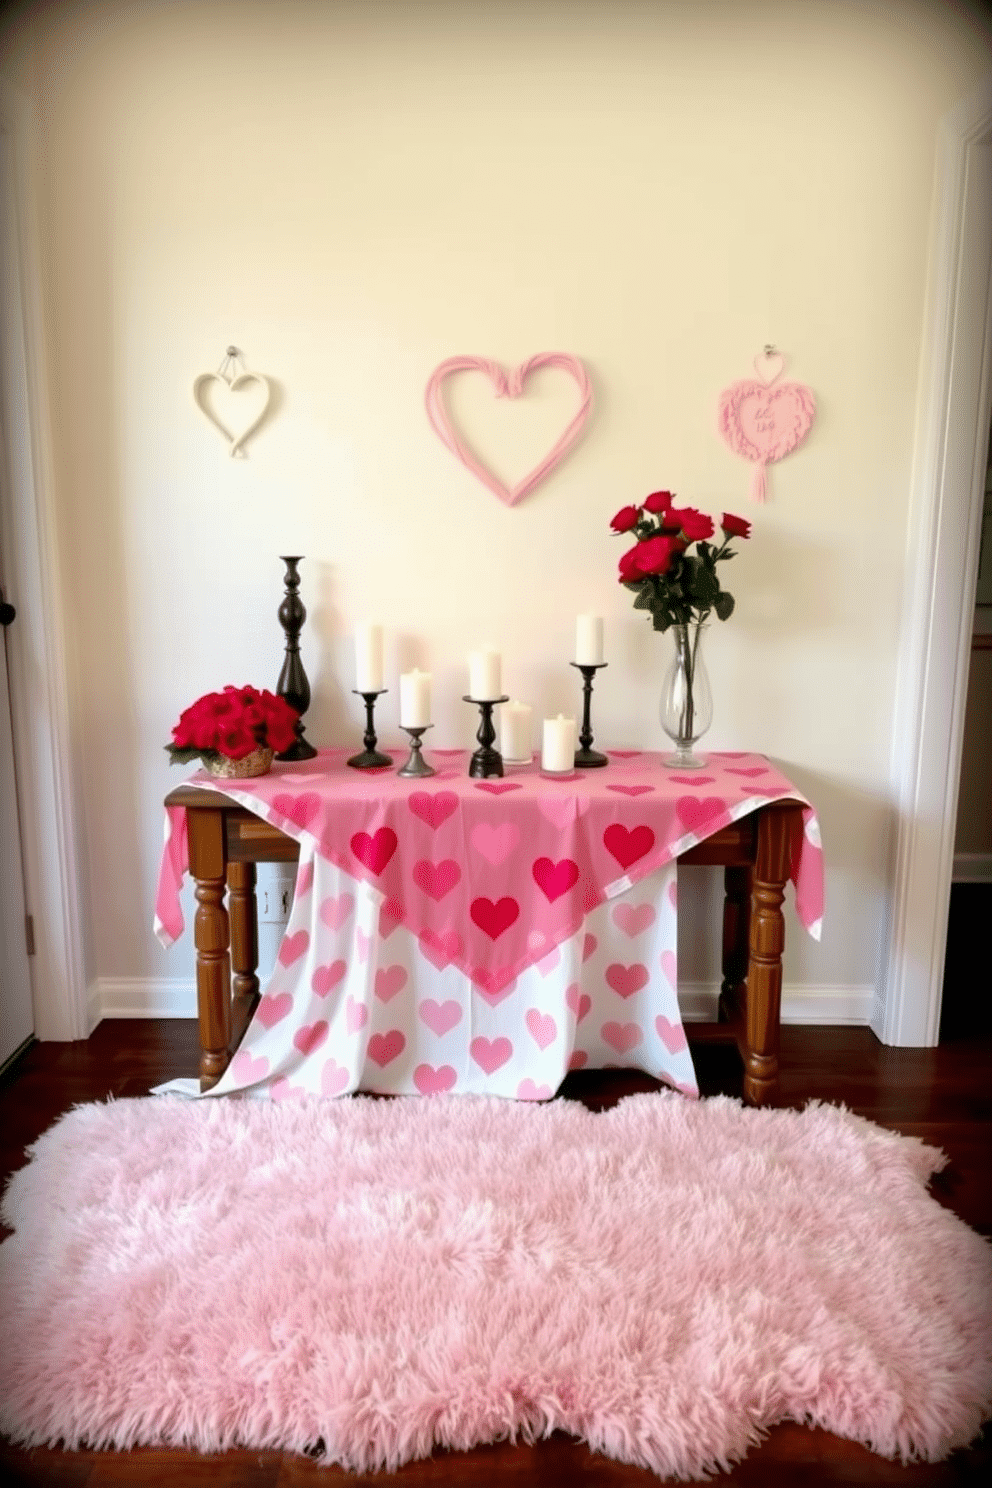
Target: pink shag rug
373	1278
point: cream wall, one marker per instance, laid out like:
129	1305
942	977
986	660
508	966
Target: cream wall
353	192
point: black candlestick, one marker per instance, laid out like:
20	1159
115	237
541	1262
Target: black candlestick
587	757
486	760
371	758
293	684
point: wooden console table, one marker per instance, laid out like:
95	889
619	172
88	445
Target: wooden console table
226	841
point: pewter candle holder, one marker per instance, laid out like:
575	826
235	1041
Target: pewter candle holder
587	757
486	760
370	758
416	765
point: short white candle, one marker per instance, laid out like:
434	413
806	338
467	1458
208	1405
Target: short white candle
485	669
415	699
558	753
368	658
516	736
589	640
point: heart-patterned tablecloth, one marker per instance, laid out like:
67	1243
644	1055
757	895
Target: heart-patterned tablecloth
483	935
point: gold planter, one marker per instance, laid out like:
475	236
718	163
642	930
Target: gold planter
259	762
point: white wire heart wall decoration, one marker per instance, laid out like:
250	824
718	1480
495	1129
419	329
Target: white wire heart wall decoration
222	388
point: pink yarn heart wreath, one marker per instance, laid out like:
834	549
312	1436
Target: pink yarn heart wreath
763	423
507	387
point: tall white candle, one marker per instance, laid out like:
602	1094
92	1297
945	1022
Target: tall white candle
368	658
558	753
485	670
415	699
589	640
516	735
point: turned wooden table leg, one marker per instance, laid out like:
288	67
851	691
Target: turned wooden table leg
211	933
736	938
241	878
776	827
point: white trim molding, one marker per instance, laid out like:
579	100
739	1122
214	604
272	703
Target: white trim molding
952	431
36	642
972	868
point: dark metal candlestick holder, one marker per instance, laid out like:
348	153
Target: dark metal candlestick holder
293	684
587	757
416	764
370	758
486	760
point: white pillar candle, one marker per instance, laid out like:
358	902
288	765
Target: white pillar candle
516	736
485	675
368	658
589	640
415	699
558	753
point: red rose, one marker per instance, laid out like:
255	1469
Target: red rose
659	501
280	721
694	524
236	741
630	566
626	518
735	526
655	555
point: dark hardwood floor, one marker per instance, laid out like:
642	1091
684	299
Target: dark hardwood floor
943	1095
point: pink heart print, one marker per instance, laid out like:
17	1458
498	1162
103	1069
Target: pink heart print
335	910
497	787
764	423
440	1017
621	1036
311	1036
578	1059
326	978
632	790
507	387
436	879
527	1090
495	842
542	1028
434	808
440	947
273	1008
555	879
633	919
580	1002
385	1047
496	918
356	1015
374	851
390	915
431	1081
695	812
389	980
627	845
626	980
672	1035
333	1078
246	1069
293	947
670	967
300	810
490	1054
493	983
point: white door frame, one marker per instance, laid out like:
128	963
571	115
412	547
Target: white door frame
36	642
941	570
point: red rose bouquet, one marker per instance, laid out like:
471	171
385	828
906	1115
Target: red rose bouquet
232	724
677	585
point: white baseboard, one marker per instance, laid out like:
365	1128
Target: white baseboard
972	868
163	997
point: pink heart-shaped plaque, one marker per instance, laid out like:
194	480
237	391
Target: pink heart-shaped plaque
507	387
763	423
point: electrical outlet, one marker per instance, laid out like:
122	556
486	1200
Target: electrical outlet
275	900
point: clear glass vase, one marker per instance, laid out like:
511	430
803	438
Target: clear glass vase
686	699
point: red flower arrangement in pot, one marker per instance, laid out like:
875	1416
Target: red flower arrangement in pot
235	733
679	587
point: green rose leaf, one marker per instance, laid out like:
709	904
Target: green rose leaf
724	605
